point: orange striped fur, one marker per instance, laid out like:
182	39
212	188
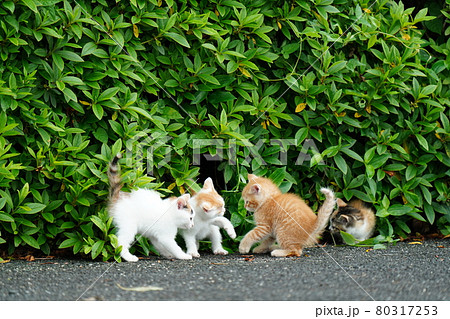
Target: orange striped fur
282	218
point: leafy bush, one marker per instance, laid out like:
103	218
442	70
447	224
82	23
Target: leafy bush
309	93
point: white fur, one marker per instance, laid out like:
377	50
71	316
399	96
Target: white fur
361	232
144	212
207	225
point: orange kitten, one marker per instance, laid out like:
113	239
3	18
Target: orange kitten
282	218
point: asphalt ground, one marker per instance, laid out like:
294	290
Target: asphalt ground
405	271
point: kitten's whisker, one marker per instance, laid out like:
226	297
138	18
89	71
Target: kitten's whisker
122	47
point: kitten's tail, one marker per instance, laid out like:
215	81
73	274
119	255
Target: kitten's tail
114	178
323	216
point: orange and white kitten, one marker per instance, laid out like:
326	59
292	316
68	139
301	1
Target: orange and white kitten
209	208
282	218
355	218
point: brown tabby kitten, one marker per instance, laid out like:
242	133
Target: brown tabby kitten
355	218
282	218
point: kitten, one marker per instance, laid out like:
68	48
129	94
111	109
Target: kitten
144	212
284	218
209	208
355	218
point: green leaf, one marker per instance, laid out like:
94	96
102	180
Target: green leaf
69	55
6	218
108	94
341	164
97	248
422	141
336	67
29	241
348	238
31	4
178	38
278	175
99	223
98	111
429	212
352	154
221	96
399	210
68	243
48	217
31	208
209	78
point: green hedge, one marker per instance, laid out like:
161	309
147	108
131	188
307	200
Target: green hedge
352	94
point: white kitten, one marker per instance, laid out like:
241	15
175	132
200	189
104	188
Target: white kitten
209	208
144	212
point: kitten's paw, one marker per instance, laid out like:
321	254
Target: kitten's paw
286	253
231	232
261	249
193	254
185	257
130	258
243	249
220	251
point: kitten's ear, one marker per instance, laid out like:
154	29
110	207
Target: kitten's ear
341	203
208	184
183	200
206	207
255	189
251	177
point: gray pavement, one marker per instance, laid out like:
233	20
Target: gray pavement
401	272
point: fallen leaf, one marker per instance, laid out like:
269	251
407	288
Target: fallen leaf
219	263
415	243
140	289
370	249
29	258
5	261
248	257
440	246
